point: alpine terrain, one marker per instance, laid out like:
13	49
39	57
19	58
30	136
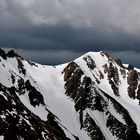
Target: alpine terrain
91	98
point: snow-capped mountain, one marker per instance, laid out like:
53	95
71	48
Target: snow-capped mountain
91	98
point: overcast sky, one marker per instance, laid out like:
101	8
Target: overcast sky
56	31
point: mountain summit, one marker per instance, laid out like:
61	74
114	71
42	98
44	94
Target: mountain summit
91	98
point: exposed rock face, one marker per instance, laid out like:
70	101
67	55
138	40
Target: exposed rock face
12	54
92	98
113	78
18	122
82	96
2	54
132	80
138	93
90	62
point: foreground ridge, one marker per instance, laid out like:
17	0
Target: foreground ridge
94	97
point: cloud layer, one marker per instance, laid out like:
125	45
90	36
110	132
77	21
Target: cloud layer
70	25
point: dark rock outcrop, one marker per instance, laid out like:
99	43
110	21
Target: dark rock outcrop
132	80
2	54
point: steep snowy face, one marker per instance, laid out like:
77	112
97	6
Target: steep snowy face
100	88
92	97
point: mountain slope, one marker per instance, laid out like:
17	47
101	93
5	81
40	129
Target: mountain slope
91	98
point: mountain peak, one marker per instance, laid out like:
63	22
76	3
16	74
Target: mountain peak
92	97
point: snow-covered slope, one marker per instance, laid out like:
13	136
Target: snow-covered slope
91	98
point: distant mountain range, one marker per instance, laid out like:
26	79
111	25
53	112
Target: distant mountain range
91	98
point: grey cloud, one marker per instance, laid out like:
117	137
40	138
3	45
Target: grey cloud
49	57
117	14
64	37
68	25
122	15
128	57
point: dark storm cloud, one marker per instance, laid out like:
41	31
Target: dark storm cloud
128	57
48	57
81	25
68	38
74	25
